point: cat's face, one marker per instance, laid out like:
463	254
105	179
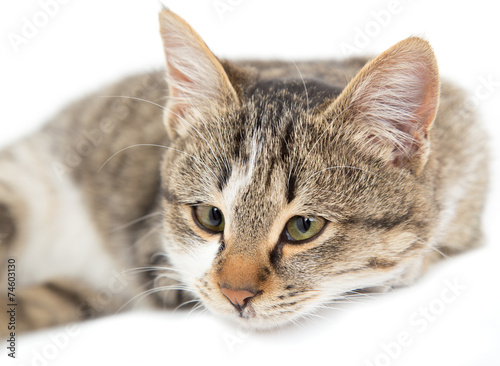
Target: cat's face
277	198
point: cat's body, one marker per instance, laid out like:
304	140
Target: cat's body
87	197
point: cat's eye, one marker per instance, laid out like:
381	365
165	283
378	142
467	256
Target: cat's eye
209	217
300	228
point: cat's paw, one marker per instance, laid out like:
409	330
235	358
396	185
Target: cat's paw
7	225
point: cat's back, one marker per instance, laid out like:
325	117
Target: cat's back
110	144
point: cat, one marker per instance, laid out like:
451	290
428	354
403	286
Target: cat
257	189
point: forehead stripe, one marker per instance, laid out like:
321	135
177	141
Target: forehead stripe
225	174
290	192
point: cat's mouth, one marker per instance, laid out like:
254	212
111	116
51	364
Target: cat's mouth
257	310
241	300
247	313
253	315
250	317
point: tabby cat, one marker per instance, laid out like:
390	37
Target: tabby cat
259	189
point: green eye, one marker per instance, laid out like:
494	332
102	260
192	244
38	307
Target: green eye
209	217
300	228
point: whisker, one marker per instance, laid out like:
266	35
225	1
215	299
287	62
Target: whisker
157	268
148	292
150	232
430	246
169	276
170	111
196	308
186	303
161	146
322	135
133	98
139	219
307	103
223	157
144	269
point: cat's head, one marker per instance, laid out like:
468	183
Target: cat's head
280	195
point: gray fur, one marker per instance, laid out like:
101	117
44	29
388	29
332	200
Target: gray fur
283	126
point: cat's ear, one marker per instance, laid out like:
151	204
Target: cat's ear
393	101
196	79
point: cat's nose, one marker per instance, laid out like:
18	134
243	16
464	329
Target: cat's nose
239	298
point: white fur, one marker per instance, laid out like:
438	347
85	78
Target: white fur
241	177
194	262
198	259
61	240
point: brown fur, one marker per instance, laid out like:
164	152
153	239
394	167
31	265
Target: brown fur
264	141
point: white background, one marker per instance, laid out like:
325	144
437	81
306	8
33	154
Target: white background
86	44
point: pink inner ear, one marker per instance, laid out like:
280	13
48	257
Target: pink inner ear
176	78
196	79
423	107
178	104
397	96
429	104
421	114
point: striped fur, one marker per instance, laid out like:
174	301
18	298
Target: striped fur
97	206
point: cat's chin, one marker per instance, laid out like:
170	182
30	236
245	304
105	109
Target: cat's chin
251	320
258	324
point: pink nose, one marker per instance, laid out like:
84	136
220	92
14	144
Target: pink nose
239	298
